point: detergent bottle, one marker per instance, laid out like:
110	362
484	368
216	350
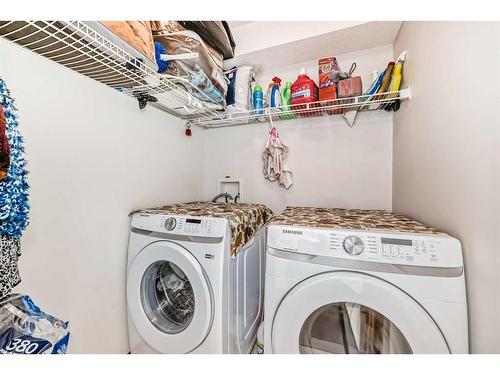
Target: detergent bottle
304	90
258	99
286	96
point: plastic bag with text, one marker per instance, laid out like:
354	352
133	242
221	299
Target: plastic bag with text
25	329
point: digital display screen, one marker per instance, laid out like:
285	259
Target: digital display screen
396	241
193	221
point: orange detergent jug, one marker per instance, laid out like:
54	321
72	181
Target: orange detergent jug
304	90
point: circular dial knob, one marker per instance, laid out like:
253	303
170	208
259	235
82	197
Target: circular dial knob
353	245
170	223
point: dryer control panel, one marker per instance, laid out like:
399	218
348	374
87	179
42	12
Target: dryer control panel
180	225
430	250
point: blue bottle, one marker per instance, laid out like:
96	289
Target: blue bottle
258	99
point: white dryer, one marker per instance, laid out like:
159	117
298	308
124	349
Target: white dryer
341	290
185	293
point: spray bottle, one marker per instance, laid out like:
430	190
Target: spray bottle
275	97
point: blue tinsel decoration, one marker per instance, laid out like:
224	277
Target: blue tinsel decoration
14	205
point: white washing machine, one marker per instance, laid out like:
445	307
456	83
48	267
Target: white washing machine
185	293
363	291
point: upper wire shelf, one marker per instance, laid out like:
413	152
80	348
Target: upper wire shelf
329	107
79	47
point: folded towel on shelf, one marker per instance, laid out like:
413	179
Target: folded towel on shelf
215	33
167	27
136	33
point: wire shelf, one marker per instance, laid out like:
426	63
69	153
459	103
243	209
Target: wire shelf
334	107
79	47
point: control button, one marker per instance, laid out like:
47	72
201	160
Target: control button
353	245
394	250
386	249
170	223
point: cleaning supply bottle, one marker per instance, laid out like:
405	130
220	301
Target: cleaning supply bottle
395	84
275	97
267	97
304	90
258	99
396	73
286	96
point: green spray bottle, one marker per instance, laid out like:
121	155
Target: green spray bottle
286	98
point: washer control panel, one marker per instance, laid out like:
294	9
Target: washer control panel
436	250
394	249
180	225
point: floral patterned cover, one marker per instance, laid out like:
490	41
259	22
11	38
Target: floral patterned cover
244	218
350	219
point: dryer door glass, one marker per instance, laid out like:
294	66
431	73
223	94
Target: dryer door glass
350	328
167	297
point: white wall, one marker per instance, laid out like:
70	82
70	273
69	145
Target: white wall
333	165
93	157
446	153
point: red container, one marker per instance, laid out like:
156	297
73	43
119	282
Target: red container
304	91
328	88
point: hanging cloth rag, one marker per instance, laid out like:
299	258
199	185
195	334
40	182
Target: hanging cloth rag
10	251
275	157
4	146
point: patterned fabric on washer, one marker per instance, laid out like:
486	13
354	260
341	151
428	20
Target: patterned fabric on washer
10	251
244	218
350	219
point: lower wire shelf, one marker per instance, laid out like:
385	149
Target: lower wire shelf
345	106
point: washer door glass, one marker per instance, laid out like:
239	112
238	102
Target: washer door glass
344	311
167	297
350	328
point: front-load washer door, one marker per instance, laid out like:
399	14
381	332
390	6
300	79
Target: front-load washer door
353	313
169	298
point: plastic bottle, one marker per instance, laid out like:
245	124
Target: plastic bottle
304	90
208	91
396	77
395	84
258	99
267	98
286	96
275	97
